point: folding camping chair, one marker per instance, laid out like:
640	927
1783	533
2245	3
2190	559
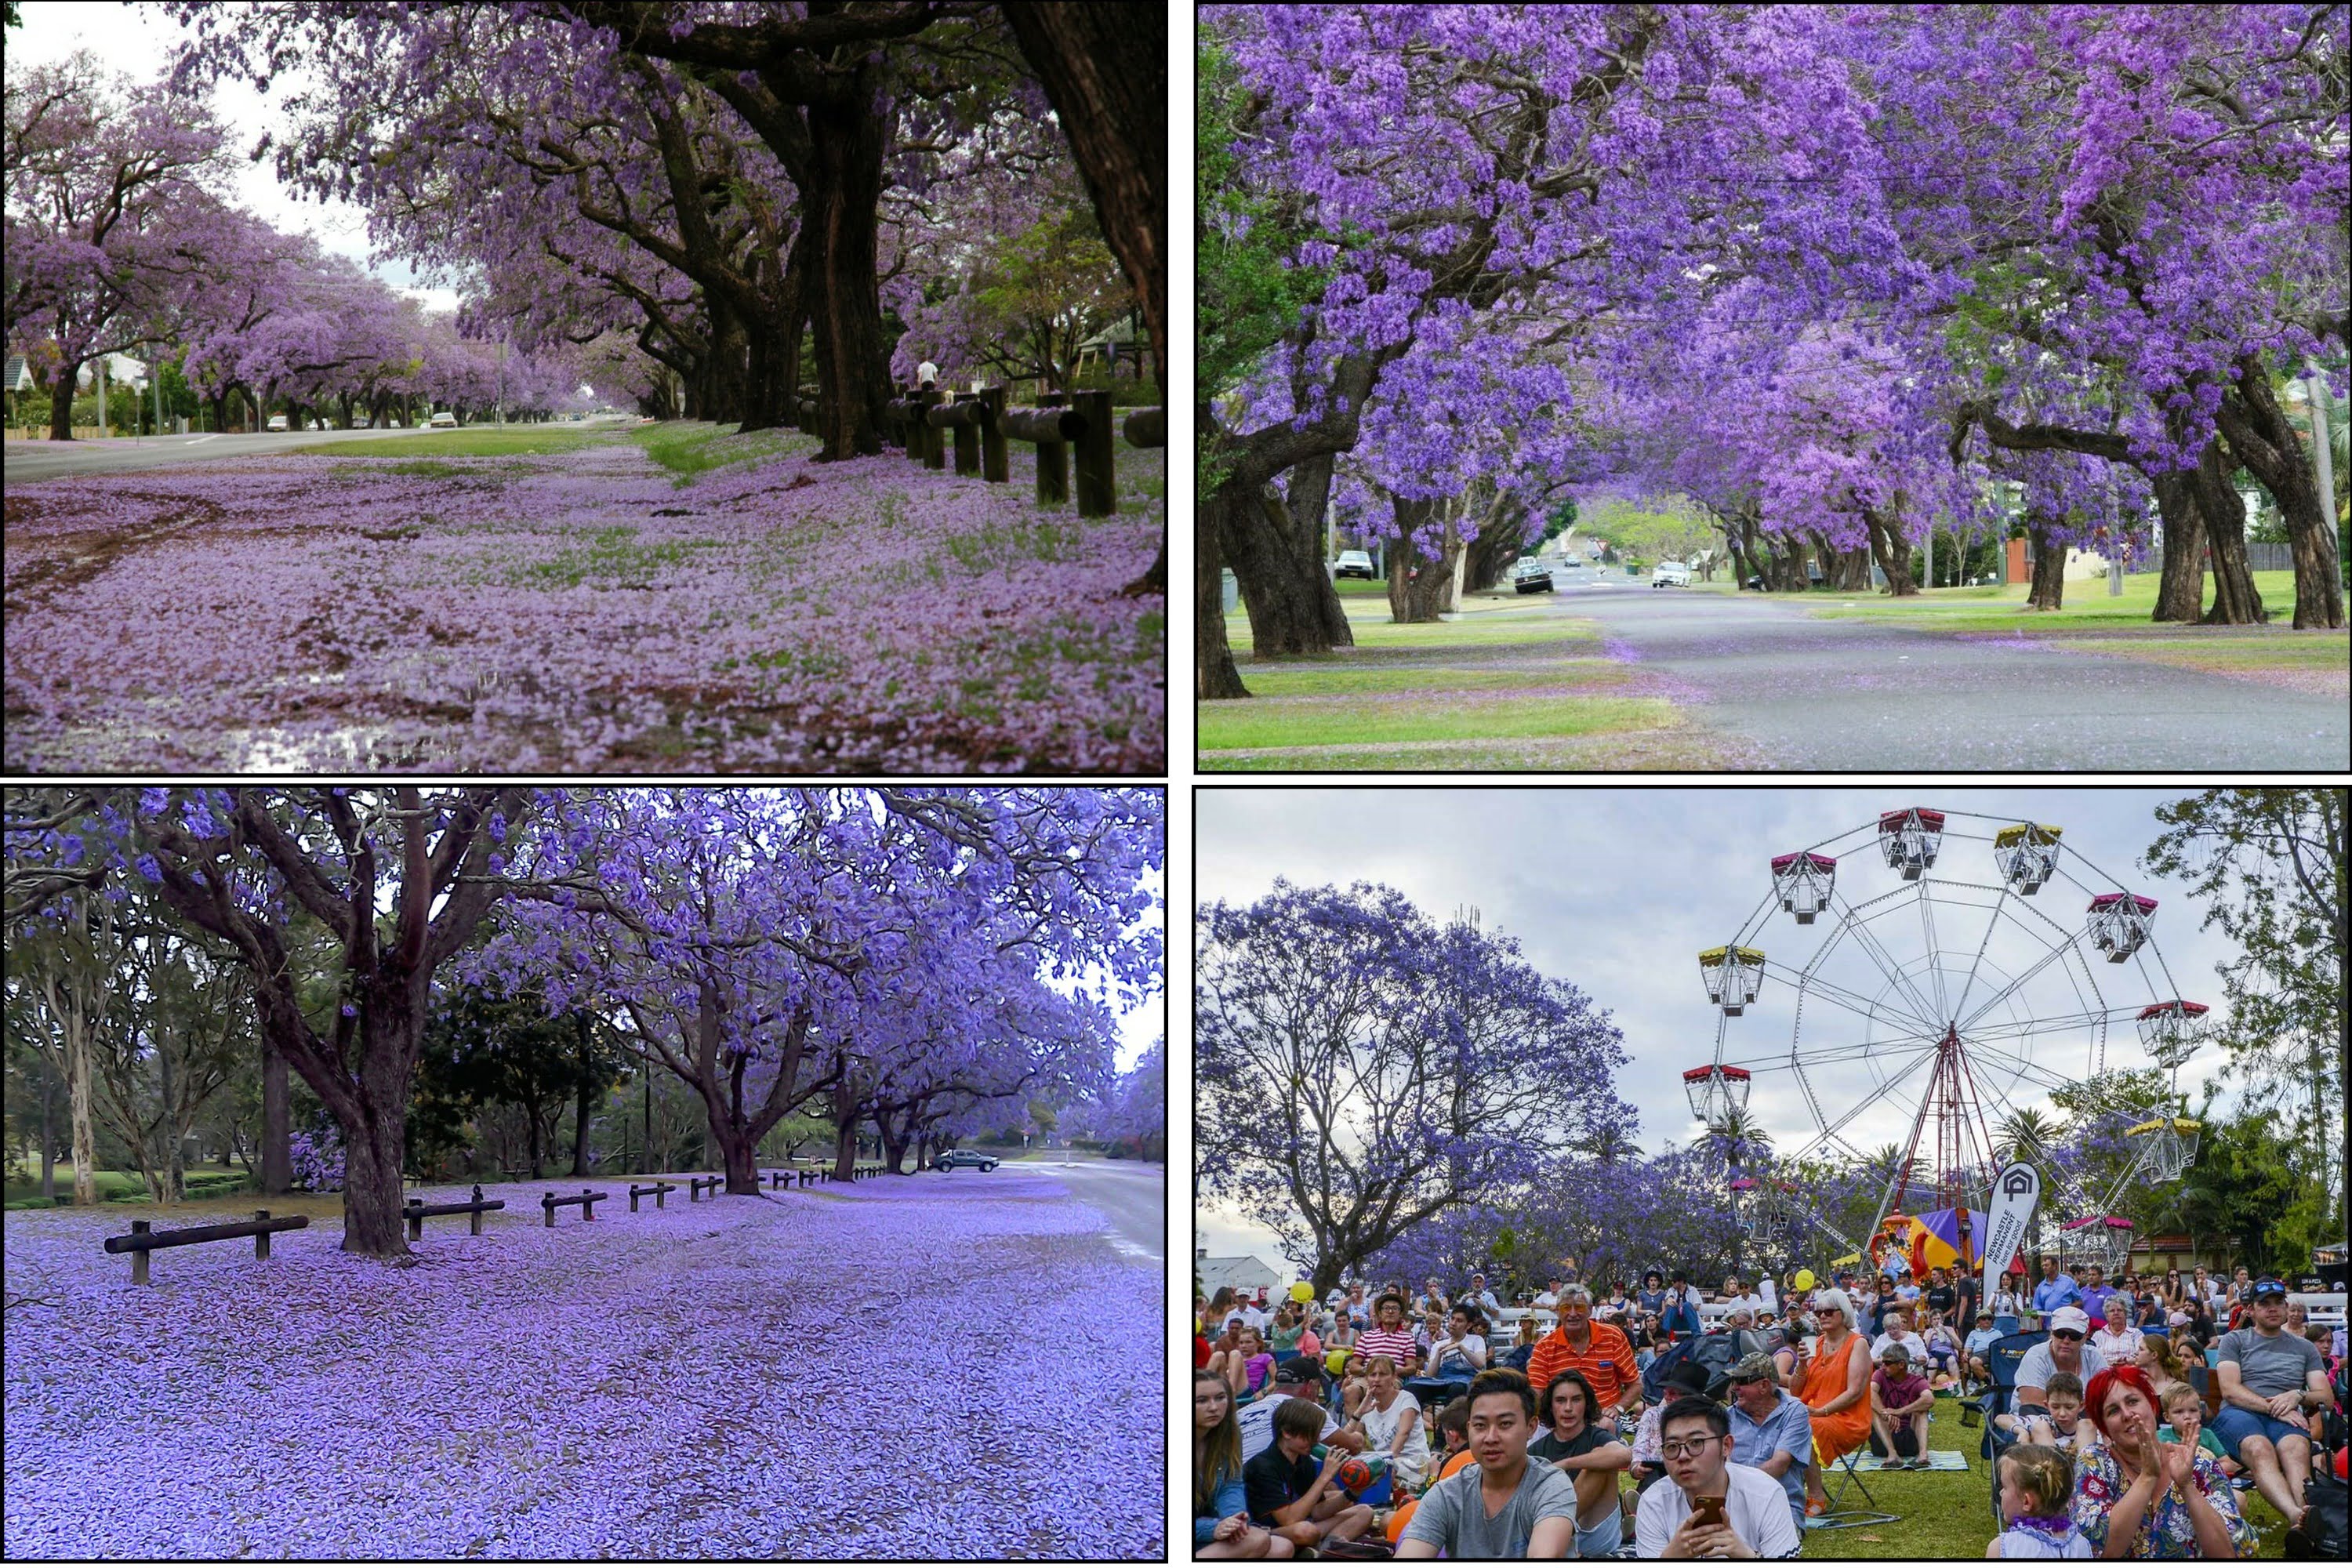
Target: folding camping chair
1837	1516
2001	1357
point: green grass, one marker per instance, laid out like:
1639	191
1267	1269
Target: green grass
2086	607
1942	1514
1502	686
691	450
24	1185
608	554
1227	726
473	441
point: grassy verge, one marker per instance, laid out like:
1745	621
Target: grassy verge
2003	609
691	450
1504	686
488	441
1942	1514
24	1185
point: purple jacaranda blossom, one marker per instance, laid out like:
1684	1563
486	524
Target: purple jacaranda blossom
583	610
811	1373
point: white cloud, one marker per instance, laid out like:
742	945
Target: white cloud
1616	890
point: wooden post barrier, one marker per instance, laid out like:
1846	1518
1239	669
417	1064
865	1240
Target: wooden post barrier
657	1192
417	1211
142	1240
1147	427
992	466
694	1187
935	454
967	435
1098	485
587	1202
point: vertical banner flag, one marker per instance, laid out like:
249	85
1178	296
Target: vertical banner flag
2015	1192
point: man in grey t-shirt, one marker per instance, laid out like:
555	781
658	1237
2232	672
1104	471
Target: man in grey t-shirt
1500	1505
2269	1380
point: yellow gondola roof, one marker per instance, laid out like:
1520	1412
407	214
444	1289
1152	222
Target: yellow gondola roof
2008	836
1747	954
2179	1124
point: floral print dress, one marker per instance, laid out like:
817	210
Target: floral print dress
2165	1531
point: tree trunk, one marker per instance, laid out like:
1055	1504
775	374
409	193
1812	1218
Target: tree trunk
85	1140
2049	590
845	144
2180	590
277	1124
1214	675
1420	589
1893	554
1293	607
844	1150
580	1119
2261	437
61	398
48	1136
374	1154
1105	70
2236	603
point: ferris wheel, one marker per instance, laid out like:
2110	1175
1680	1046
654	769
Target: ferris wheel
1950	980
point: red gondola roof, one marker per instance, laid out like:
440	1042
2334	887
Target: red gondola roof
2108	900
2191	1008
1782	862
2113	1222
1702	1072
1895	818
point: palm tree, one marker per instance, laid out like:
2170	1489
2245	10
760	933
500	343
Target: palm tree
1740	1139
2026	1133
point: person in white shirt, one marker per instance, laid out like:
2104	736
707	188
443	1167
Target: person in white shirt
1898	1332
2116	1343
1767	1300
1481	1297
1753	1518
1551	1296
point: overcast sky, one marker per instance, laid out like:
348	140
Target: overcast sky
1616	890
137	41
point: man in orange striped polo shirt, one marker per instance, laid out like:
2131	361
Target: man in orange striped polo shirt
1599	1351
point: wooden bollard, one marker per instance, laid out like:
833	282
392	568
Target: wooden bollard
993	464
1147	427
261	1238
1053	462
935	452
1098	482
139	1259
967	439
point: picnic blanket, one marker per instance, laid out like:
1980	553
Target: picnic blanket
1937	1459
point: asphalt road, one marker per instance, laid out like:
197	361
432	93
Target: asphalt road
1132	1195
1837	694
25	461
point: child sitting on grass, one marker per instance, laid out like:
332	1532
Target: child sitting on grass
2037	1483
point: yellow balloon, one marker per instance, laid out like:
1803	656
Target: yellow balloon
1302	1292
1804	1278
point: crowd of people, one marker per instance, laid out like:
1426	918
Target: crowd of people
1386	1422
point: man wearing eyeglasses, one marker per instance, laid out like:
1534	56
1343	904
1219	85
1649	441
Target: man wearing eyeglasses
2063	1350
1750	1516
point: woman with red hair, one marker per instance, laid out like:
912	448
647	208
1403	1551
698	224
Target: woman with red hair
2138	1497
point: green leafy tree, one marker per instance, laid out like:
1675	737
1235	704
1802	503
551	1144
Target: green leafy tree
485	1049
2268	864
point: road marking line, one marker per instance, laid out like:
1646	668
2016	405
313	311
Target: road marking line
1130	1248
201	439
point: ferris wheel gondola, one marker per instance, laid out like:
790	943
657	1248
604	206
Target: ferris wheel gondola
1933	1011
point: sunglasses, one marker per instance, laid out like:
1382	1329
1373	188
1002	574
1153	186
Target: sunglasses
2064	1334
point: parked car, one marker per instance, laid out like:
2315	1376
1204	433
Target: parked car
955	1157
1670	575
276	422
361	422
1531	576
445	420
1356	563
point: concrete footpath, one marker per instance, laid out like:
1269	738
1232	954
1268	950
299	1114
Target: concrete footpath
1860	695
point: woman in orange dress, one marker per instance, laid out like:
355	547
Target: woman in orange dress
1834	1384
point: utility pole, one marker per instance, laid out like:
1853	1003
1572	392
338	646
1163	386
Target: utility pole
502	380
104	429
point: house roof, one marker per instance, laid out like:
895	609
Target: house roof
1248	1270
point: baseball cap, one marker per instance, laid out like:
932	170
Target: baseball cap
1298	1369
2268	1288
1749	1368
2072	1318
2178	1318
1984	1314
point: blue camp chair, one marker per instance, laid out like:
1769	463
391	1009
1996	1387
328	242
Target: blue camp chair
2001	1358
